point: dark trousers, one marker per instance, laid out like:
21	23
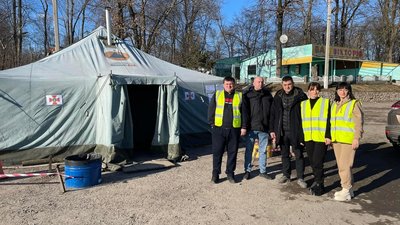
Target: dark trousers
285	152
316	155
225	138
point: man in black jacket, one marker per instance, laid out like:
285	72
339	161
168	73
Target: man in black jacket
227	123
257	102
285	127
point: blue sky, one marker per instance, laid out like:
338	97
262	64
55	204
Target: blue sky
230	8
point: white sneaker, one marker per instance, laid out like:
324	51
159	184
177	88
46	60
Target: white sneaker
343	195
301	183
344	190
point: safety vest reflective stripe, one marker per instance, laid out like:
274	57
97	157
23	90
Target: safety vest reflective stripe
342	123
314	129
219	109
345	119
314	120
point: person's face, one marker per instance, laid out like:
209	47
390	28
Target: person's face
343	92
258	83
287	86
313	92
229	86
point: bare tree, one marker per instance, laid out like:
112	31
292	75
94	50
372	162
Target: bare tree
74	11
250	32
141	20
344	13
45	7
193	19
7	50
228	36
390	26
282	7
307	14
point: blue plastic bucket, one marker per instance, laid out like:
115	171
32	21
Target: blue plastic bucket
82	171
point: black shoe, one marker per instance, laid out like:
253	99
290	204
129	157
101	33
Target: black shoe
317	190
231	179
266	176
247	176
215	179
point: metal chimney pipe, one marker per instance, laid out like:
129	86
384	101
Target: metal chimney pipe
108	24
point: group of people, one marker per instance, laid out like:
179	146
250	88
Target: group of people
292	120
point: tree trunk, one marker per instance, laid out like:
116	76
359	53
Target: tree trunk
120	20
15	31
336	24
83	23
70	21
135	26
307	24
394	30
19	32
279	25
343	24
45	32
142	24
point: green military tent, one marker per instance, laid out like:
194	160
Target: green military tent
94	97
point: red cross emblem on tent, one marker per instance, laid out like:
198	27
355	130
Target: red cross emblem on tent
54	100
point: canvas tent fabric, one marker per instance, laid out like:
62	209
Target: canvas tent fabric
78	100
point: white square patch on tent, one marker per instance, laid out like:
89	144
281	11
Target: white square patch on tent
54	100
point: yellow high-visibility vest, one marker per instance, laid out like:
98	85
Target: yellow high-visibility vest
314	120
342	123
219	109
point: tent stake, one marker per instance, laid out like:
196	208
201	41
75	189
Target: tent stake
61	179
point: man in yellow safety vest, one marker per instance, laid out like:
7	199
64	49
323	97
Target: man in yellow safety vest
227	124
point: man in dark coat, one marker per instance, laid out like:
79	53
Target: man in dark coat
257	102
285	128
227	123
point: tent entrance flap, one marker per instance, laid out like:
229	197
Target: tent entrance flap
143	102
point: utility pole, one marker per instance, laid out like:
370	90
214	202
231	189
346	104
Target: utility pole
55	20
327	45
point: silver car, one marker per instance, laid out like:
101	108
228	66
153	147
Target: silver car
392	129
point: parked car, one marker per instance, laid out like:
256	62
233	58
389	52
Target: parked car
392	129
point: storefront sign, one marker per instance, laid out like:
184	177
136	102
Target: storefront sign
338	52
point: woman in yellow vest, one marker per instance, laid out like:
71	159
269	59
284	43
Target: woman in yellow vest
346	130
315	116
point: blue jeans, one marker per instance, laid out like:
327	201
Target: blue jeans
262	142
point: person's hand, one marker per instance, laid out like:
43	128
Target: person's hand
242	132
355	144
328	141
273	136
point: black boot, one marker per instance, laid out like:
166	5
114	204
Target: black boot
318	190
215	179
231	178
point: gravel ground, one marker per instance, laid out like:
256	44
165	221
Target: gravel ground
185	195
